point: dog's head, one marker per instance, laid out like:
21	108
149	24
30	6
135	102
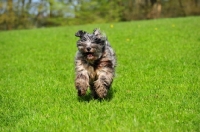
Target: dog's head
91	46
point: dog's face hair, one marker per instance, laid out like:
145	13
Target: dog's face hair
91	46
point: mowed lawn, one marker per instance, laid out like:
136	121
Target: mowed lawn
156	88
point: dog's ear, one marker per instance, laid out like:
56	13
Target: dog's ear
80	33
97	32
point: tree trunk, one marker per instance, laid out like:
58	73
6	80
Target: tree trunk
10	17
156	9
182	8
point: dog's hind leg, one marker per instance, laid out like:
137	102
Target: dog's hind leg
93	92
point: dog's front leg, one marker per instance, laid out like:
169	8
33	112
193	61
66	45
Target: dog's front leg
82	79
102	84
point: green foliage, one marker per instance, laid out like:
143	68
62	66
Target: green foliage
19	14
94	11
156	86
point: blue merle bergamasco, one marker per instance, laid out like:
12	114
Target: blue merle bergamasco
95	64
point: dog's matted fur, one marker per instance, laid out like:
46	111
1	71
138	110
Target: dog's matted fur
95	64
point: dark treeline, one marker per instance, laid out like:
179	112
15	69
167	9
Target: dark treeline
21	14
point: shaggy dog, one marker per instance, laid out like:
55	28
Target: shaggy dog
95	63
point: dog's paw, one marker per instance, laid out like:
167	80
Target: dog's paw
81	92
102	92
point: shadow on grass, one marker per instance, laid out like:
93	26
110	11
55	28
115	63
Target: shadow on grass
88	97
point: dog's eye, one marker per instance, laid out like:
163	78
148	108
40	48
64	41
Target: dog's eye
97	40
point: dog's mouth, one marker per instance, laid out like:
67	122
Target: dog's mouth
89	55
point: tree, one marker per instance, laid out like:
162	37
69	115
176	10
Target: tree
156	9
10	17
98	11
18	14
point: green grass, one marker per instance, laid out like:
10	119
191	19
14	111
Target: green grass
157	84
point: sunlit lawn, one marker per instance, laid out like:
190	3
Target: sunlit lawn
157	84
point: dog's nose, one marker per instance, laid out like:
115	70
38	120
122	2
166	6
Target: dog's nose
88	48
